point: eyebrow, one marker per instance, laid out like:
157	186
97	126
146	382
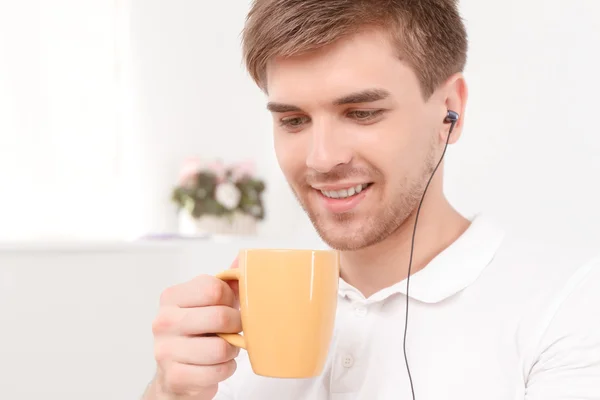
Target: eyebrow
363	96
281	107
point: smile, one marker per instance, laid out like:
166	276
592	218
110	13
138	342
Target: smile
338	199
345	193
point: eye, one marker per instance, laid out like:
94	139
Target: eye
294	122
364	115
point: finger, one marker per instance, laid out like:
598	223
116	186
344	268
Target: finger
216	319
196	350
185	378
234	285
197	321
205	290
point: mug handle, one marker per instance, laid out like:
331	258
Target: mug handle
232	338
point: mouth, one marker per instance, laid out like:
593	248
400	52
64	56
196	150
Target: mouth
346	192
343	199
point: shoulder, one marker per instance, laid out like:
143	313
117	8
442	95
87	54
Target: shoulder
554	293
564	359
576	303
536	280
542	268
547	275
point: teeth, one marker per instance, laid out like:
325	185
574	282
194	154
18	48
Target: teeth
344	193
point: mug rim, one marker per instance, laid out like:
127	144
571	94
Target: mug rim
288	250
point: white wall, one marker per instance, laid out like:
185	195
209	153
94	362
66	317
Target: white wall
529	154
75	320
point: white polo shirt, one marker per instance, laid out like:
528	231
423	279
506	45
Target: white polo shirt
489	319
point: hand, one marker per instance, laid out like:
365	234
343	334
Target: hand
191	362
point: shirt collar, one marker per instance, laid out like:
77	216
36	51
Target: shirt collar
451	271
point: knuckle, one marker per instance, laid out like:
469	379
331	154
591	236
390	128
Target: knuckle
225	370
163	322
167	295
215	292
162	352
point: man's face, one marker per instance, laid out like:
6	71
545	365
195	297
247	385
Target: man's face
354	137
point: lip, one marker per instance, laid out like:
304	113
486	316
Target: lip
339	206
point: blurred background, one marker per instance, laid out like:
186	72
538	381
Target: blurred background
135	153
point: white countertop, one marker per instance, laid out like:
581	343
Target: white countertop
155	244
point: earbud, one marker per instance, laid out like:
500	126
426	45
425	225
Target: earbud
451	117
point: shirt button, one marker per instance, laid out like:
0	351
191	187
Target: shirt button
347	361
360	311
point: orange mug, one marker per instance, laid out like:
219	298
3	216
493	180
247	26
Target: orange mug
288	301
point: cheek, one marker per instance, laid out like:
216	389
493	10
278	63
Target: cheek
386	150
397	154
402	162
290	158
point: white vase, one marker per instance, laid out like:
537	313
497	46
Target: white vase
236	224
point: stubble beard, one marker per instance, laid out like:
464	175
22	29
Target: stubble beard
353	231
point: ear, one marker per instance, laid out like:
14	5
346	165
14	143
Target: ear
455	94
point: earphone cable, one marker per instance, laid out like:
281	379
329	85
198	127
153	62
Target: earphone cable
412	246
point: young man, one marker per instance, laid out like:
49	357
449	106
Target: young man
365	96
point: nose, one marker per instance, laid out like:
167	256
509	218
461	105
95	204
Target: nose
328	149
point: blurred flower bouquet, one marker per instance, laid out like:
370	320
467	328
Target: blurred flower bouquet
214	198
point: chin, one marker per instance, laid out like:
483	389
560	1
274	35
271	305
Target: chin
350	232
340	237
344	243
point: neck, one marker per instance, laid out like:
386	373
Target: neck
386	263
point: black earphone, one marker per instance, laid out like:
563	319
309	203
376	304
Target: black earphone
451	118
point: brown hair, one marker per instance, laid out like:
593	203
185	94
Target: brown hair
429	34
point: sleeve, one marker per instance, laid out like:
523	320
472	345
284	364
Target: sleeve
567	366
